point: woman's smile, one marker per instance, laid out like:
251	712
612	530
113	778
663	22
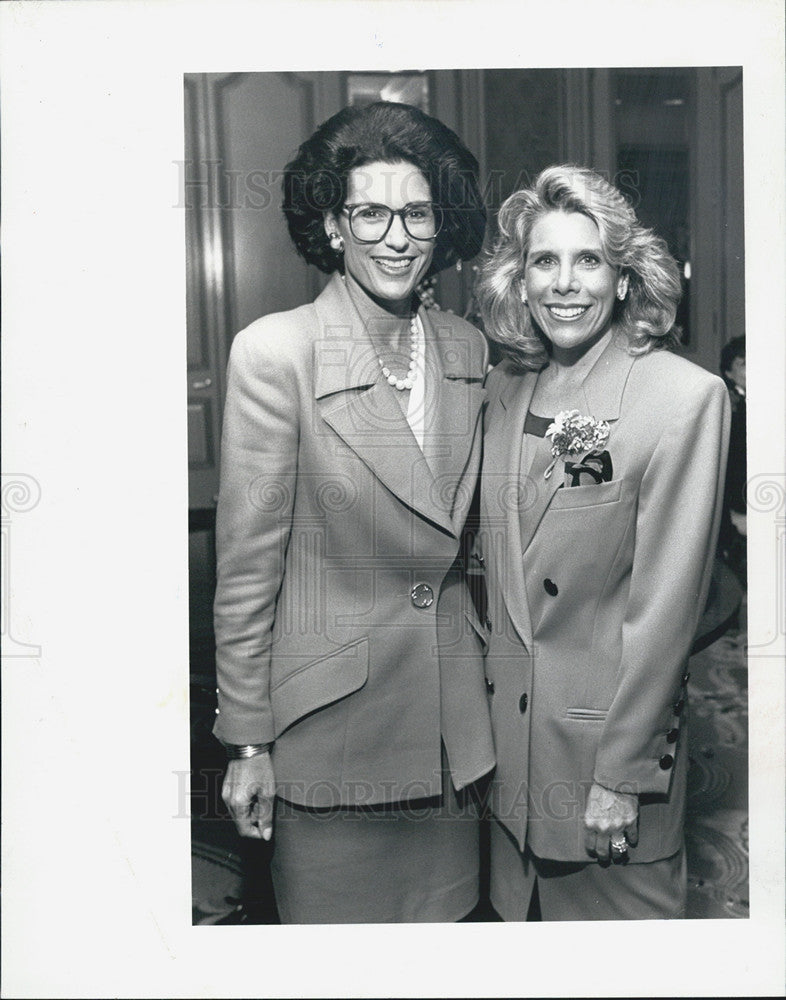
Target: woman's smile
567	313
394	265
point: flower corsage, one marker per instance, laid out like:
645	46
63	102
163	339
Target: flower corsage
573	434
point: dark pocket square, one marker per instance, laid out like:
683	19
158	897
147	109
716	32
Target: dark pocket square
596	468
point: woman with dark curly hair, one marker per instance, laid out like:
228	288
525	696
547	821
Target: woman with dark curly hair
351	688
601	494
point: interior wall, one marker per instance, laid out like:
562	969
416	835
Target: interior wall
522	128
671	137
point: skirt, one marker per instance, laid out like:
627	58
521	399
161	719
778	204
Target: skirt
654	890
413	862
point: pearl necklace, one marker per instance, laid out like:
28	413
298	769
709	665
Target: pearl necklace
408	380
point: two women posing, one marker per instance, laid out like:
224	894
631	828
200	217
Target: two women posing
363	704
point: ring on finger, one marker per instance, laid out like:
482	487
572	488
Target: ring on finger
620	845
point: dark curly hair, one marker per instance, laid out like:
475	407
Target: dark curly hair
733	349
315	182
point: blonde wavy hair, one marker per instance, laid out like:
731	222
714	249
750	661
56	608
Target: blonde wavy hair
646	316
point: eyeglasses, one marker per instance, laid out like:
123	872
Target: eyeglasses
371	223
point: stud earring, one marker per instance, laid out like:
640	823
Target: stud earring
337	243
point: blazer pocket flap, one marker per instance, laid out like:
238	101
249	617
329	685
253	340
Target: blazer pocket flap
319	683
586	496
586	714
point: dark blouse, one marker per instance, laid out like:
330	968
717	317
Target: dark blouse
535	425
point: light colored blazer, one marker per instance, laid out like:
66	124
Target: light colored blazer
329	520
595	592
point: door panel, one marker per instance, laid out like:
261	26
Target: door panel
730	84
241	130
206	317
672	139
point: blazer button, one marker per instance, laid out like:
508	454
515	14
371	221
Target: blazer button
489	686
523	702
422	595
678	706
551	587
671	735
666	762
686	677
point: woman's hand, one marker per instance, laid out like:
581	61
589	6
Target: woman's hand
248	792
610	818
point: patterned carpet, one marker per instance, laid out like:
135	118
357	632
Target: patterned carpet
716	829
230	881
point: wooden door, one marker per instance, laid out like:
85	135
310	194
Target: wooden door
241	129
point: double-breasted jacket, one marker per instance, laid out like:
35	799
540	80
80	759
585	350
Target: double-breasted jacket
596	584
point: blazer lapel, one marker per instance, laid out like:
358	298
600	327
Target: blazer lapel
454	399
504	492
364	411
539	489
605	382
602	389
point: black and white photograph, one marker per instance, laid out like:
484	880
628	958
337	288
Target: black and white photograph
355	659
445	596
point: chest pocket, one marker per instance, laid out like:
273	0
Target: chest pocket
568	497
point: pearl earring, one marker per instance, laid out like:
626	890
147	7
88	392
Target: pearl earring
337	242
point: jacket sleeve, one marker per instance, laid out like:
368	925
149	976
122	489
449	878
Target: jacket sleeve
676	528
258	471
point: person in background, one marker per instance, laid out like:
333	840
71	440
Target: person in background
601	494
349	656
732	541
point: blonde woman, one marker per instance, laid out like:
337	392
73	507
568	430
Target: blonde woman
602	484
